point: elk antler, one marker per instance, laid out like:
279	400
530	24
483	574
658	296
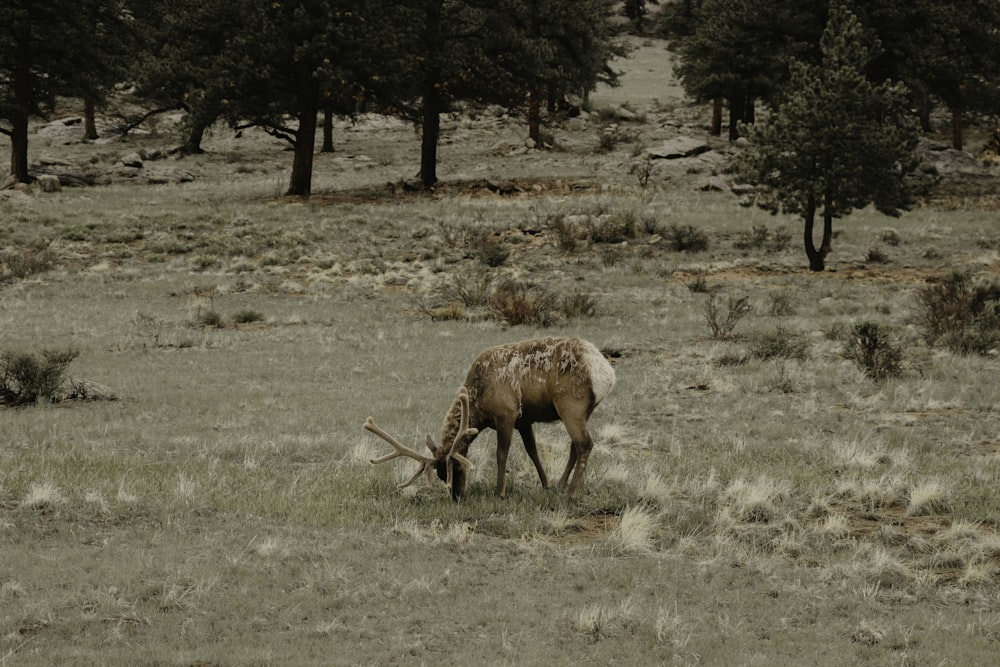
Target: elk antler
426	462
463	431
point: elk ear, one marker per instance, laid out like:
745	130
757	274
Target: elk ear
431	446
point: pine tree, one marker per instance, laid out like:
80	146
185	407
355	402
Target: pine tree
49	49
739	50
836	141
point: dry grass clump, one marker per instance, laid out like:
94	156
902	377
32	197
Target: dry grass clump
635	532
929	497
753	501
42	495
34	259
599	621
872	493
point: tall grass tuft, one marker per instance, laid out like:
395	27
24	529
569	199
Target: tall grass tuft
635	531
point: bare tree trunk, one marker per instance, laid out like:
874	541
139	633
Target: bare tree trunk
817	257
196	132
89	122
19	148
430	132
741	110
535	118
956	130
305	148
19	117
716	129
327	131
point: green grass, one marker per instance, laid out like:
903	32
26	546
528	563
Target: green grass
739	507
223	510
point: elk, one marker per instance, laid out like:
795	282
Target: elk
508	388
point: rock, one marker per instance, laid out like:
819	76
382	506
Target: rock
714	184
948	171
159	175
678	147
133	160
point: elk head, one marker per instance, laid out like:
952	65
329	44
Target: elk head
443	459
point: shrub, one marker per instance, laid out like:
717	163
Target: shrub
781	344
736	310
616	228
523	303
762	238
869	347
579	304
755	239
565	231
248	317
687	238
876	255
208	318
611	138
699	284
962	315
471	288
29	261
643	170
490	250
27	379
780	304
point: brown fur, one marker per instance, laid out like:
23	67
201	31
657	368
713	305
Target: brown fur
514	386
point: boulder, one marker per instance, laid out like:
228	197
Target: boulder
133	160
948	171
678	147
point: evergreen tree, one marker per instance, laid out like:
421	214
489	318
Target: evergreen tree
490	52
55	48
551	48
283	62
183	63
947	52
836	141
739	50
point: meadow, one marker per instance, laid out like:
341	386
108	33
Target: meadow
754	497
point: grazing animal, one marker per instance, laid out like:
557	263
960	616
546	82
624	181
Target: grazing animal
508	388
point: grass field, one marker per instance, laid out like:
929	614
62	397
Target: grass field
753	498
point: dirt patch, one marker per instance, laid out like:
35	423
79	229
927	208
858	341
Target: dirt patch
865	525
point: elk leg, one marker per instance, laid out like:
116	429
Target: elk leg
583	447
504	434
574	417
569	467
528	438
457	481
